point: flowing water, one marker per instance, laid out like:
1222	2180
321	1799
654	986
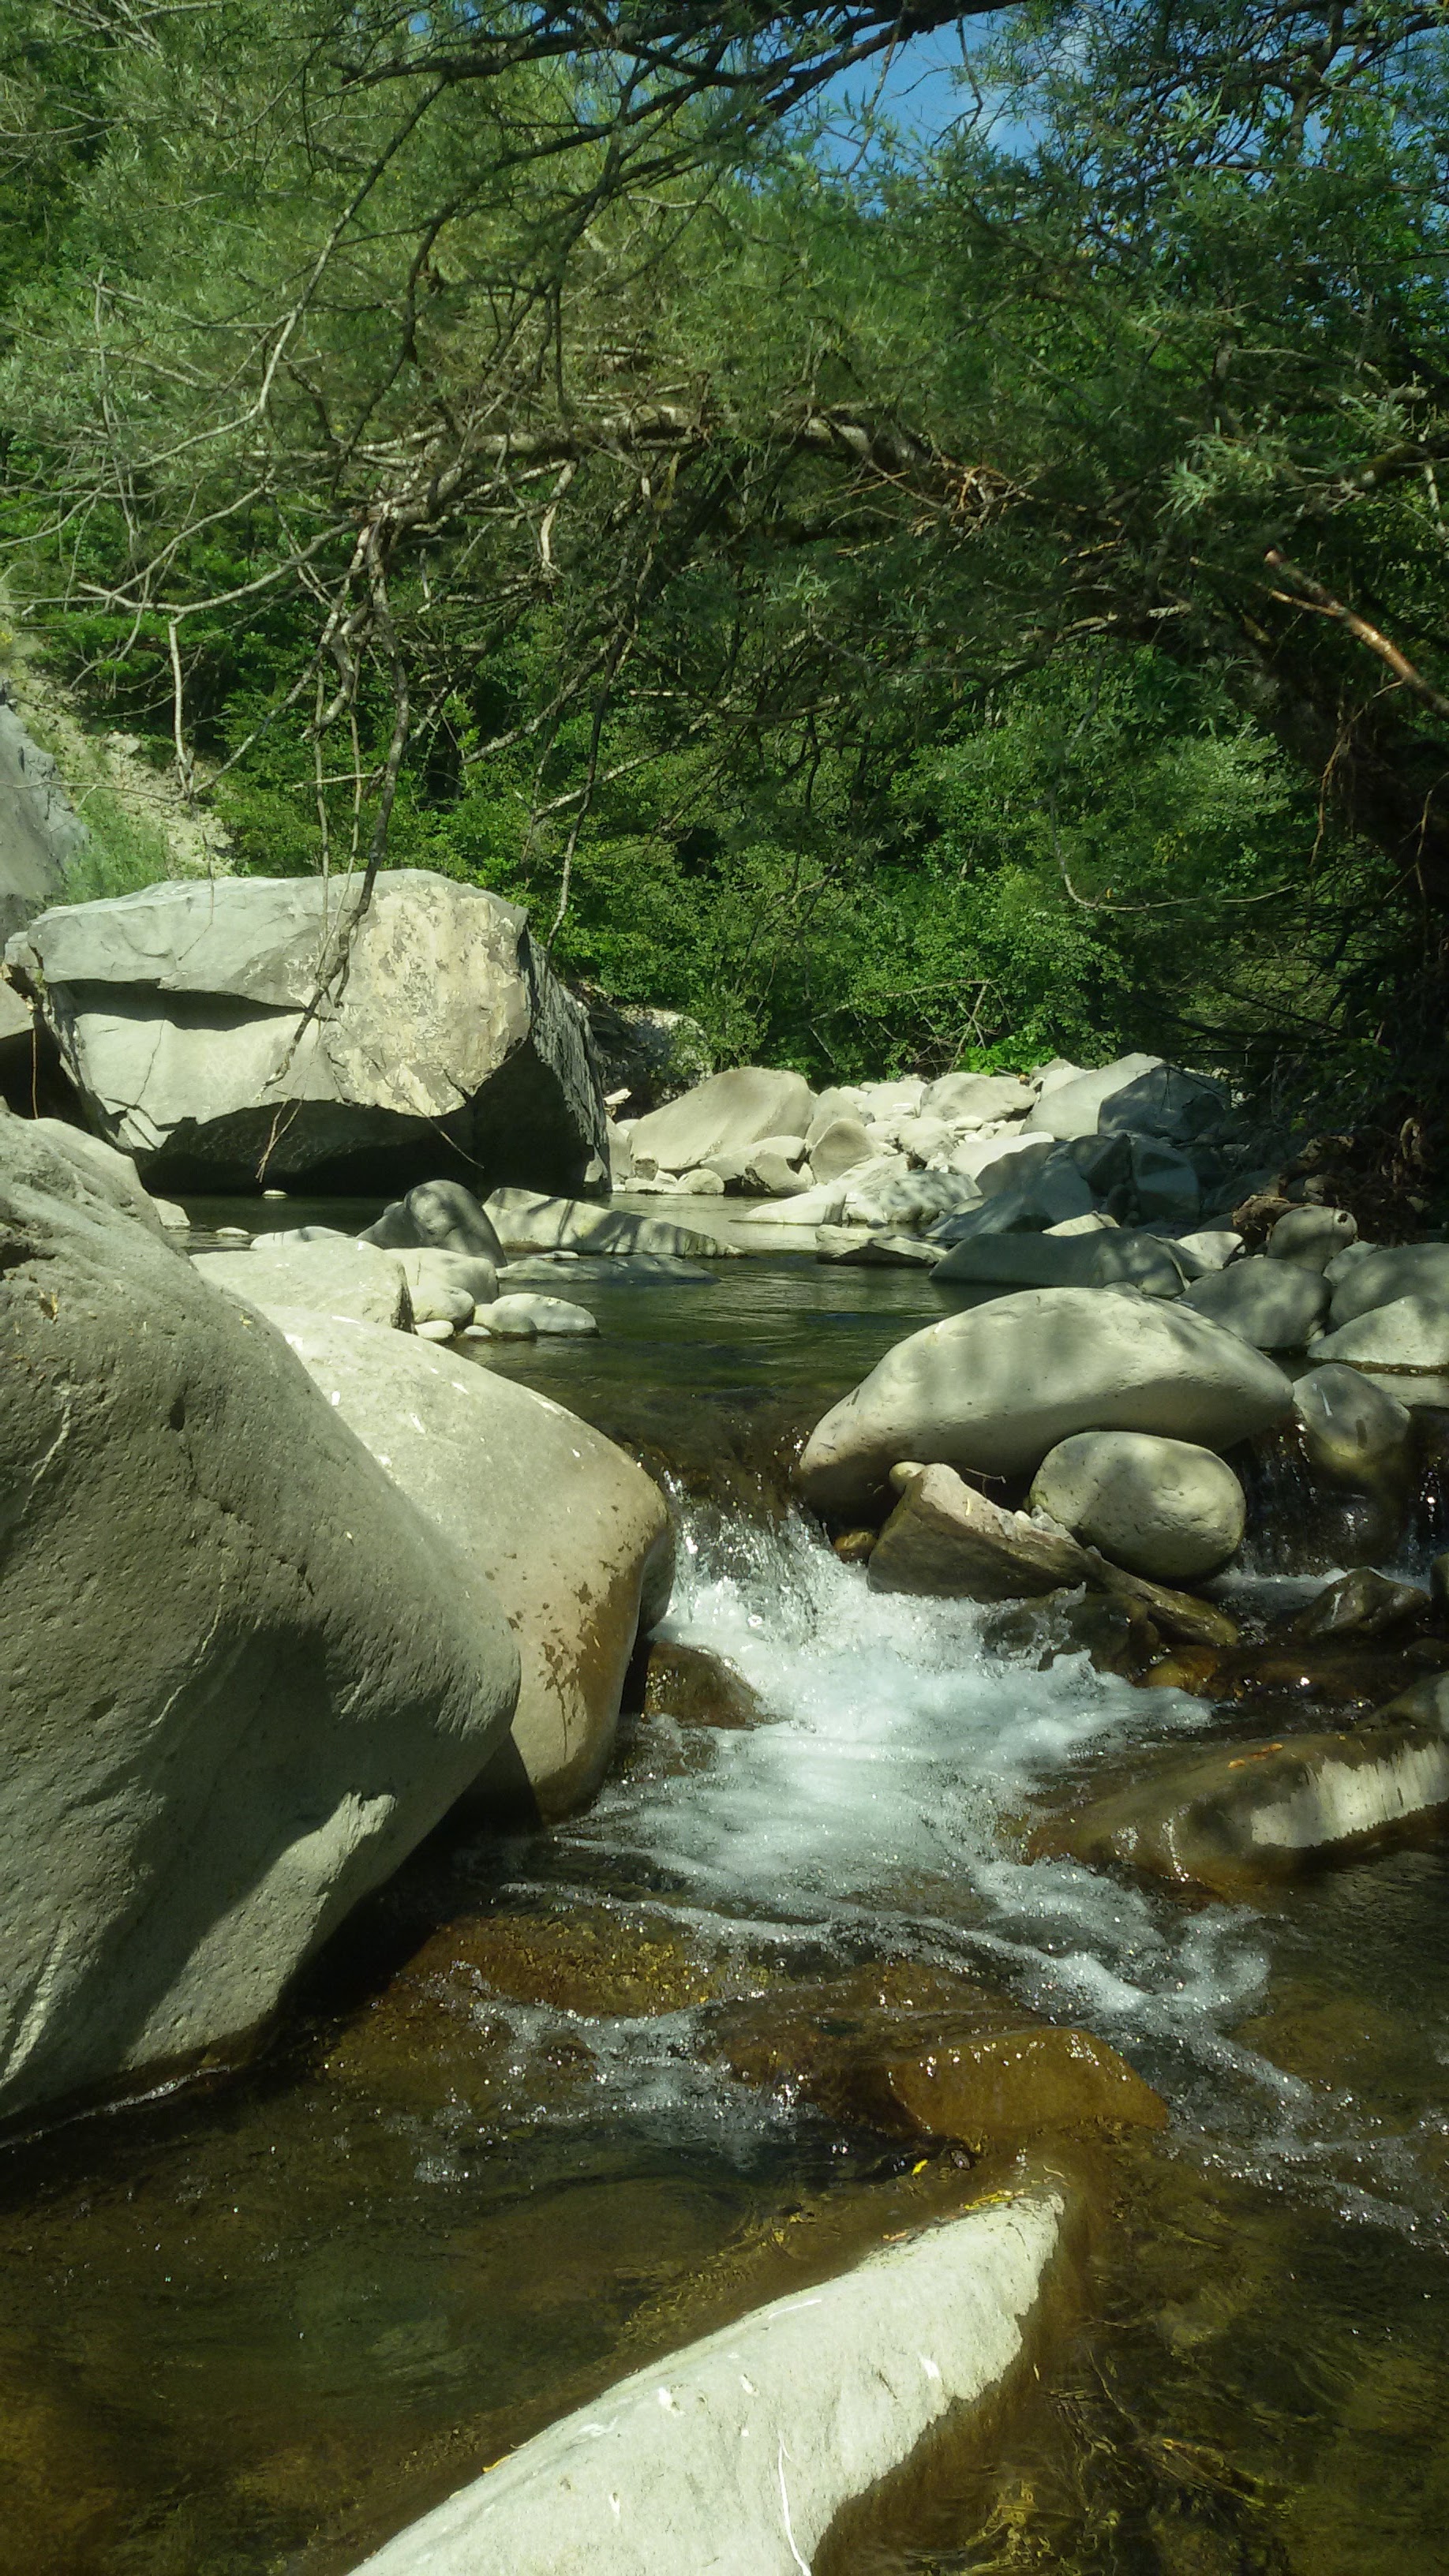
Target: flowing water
490	2162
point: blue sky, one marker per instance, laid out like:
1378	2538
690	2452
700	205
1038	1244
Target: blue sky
915	88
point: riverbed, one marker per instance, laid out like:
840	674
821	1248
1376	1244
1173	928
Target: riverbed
489	2162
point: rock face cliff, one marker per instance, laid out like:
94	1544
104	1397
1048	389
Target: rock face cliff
39	829
269	1028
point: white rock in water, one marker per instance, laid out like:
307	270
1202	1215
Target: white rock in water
996	1387
1276	1305
522	1313
1410	1333
1164	1508
435	1330
977	1099
738	2453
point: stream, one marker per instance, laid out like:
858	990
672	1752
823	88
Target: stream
488	2163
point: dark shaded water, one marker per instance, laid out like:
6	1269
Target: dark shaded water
487	2166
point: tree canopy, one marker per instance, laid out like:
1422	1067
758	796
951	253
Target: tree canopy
937	602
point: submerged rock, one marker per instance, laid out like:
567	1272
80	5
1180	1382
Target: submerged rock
1362	1603
573	1536
945	1539
919	2052
1114	1632
1233	1820
520	1316
997	1387
243	1677
1163	1508
187	1016
696	1688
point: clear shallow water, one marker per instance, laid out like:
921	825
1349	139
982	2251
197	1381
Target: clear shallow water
251	2330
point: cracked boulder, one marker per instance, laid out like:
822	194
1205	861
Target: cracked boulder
253	1028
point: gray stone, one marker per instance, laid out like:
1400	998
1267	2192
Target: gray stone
174	1218
1052	1194
432	1329
1381	1278
536	1314
1341	1264
442	1215
723	1115
1164	1508
1075	1108
612	1270
704	1184
1181	1108
528	1221
1362	1603
847	1243
1011	1166
738	2454
1409	1333
837	1148
68	1163
181	1015
574	1538
1351	1431
242	1677
1313	1236
1164	1183
945	1540
902	1200
995	1388
776	1167
1105	1258
1207	1252
620	1150
1276	1305
976	1099
341	1279
444	1287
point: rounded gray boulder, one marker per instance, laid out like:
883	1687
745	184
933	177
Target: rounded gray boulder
997	1387
1164	1508
1275	1305
1352	1430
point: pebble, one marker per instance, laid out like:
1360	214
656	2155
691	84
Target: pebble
435	1332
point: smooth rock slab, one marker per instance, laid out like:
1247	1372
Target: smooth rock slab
1107	1257
995	1388
735	2456
573	1537
1164	1508
1077	1108
514	1315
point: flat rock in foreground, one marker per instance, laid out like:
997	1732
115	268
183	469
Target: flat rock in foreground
188	1017
992	1390
738	2453
242	1677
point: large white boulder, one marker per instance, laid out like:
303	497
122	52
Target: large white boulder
724	1115
327	1276
837	1148
997	1387
1069	1109
1164	1508
242	1677
182	1017
573	1538
736	2455
978	1099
